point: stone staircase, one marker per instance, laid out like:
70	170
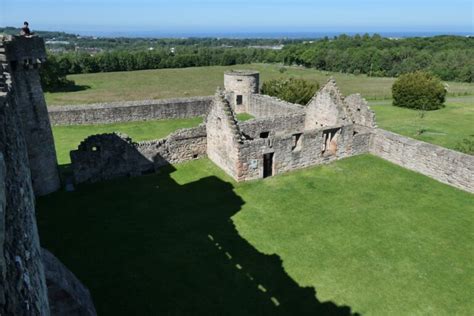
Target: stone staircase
231	119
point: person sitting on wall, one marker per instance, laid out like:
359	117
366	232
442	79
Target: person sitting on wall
25	30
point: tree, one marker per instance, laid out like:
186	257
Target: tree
53	77
419	90
292	90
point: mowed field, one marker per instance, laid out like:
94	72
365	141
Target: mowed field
200	81
446	127
365	234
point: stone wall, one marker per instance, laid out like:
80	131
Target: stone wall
272	125
359	110
240	85
327	108
108	156
22	283
266	106
24	56
223	135
300	150
447	166
117	112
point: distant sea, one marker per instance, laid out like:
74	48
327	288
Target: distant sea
273	35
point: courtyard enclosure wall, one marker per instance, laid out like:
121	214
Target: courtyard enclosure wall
447	166
131	111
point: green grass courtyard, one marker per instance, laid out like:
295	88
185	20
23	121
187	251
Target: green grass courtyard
365	237
365	234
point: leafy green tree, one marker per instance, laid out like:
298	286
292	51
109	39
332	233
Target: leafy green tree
53	77
419	90
293	90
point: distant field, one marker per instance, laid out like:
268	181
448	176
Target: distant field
199	81
364	233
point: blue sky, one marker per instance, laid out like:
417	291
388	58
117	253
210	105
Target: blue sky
241	16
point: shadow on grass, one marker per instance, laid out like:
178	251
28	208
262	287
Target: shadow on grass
150	246
69	88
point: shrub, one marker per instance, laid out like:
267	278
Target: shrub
292	90
419	90
466	145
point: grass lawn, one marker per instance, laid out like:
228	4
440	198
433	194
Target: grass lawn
244	117
445	127
199	81
67	138
364	233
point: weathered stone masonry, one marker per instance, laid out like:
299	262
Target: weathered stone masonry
282	137
108	156
22	282
24	286
447	166
131	111
23	56
277	144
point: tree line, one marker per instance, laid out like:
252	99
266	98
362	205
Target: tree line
449	57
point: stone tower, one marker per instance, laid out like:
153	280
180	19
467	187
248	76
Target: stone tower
239	86
23	56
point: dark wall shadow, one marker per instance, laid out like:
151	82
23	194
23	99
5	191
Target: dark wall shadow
69	88
150	246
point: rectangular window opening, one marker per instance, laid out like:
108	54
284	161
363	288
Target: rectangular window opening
264	134
296	138
330	141
239	100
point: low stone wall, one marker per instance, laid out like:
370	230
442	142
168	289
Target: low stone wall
108	156
117	112
266	106
447	166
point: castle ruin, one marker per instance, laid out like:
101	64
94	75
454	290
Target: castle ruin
280	138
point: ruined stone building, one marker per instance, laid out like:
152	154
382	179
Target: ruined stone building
280	138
